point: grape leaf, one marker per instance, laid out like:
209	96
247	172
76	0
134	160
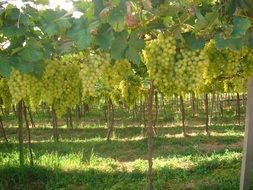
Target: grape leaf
230	7
13	31
80	34
104	37
241	25
38	68
23	67
116	19
136	42
204	22
99	6
133	55
12	13
193	42
31	54
5	65
65	47
119	45
55	22
231	43
135	45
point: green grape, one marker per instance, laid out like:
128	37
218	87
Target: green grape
115	96
25	87
33	91
115	73
52	82
159	57
234	65
240	85
17	86
5	93
223	63
61	84
246	55
190	70
130	89
92	68
71	96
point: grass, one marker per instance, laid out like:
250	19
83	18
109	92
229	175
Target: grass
83	160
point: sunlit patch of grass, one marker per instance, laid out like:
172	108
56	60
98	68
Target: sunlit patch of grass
84	159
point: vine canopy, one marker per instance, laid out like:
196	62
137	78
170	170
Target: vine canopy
32	33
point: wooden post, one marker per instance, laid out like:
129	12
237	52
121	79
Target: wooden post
193	104
55	125
150	134
20	133
28	133
207	114
182	109
3	130
110	120
248	141
156	113
238	108
31	117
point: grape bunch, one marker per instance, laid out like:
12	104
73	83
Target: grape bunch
61	84
224	63
159	57
92	67
52	82
130	89
246	55
71	96
5	93
114	74
190	69
33	90
17	86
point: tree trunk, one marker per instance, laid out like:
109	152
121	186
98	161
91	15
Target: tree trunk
248	141
197	104
207	114
2	110
221	106
105	112
144	113
69	119
110	120
163	104
31	117
238	108
78	110
176	97
135	111
140	112
212	108
28	133
182	110
193	104
85	108
156	112
20	132
3	130
150	134
229	100
217	102
15	111
55	125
